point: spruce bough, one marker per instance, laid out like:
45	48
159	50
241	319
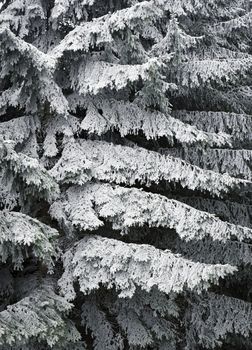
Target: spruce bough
125	174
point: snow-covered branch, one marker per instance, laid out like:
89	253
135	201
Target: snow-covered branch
97	260
85	160
88	207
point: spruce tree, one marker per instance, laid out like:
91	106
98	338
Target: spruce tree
125	178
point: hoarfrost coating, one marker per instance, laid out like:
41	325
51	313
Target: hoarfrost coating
125	174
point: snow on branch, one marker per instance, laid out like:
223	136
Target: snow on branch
55	126
227	28
11	44
32	73
209	72
177	7
128	118
132	16
19	129
213	317
204	8
96	261
99	32
176	40
94	76
10	97
85	160
34	177
237	162
39	316
83	38
236	213
239	125
19	16
20	234
61	7
85	208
